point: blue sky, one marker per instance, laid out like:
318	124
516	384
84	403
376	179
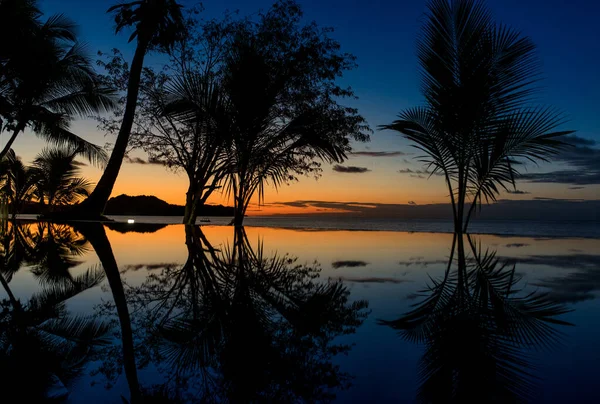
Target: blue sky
382	34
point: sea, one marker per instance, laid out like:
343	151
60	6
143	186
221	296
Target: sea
299	310
587	229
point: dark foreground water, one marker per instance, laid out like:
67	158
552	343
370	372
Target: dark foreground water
168	313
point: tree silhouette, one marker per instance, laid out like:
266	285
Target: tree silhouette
280	80
46	79
478	122
56	176
157	25
17	182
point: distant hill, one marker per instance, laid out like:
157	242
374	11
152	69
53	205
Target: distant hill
148	205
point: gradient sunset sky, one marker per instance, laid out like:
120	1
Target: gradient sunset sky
382	35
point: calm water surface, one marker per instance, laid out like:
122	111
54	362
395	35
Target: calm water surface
168	313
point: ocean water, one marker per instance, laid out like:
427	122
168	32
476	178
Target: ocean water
549	228
296	310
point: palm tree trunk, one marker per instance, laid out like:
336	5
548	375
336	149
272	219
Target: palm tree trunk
471	210
10	142
95	234
191	203
95	203
239	210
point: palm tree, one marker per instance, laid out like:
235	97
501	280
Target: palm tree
46	81
197	111
478	122
279	128
158	25
17	182
57	180
477	325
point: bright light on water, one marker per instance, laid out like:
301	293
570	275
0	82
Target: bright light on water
130	221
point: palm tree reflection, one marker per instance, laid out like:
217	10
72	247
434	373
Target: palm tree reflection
236	325
477	326
40	341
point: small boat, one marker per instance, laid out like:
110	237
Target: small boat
204	220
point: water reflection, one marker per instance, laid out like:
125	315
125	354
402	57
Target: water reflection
40	340
478	324
186	315
231	324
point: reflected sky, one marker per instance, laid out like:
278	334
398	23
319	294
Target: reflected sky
383	273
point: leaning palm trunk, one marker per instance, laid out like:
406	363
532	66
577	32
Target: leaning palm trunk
20	127
94	205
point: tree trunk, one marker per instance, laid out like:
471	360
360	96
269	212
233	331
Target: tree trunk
10	142
95	234
239	210
95	203
191	204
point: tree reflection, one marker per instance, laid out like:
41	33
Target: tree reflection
51	250
478	326
40	341
236	325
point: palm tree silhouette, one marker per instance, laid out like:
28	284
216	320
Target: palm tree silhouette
46	79
276	129
478	123
199	112
56	176
17	182
158	24
477	327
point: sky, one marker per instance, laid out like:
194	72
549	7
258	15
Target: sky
382	35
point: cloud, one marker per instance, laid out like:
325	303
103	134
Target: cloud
138	160
419	173
350	169
579	141
583	159
544	198
372	280
516	245
412	203
419	262
378	153
518	192
503	209
348	264
576	187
